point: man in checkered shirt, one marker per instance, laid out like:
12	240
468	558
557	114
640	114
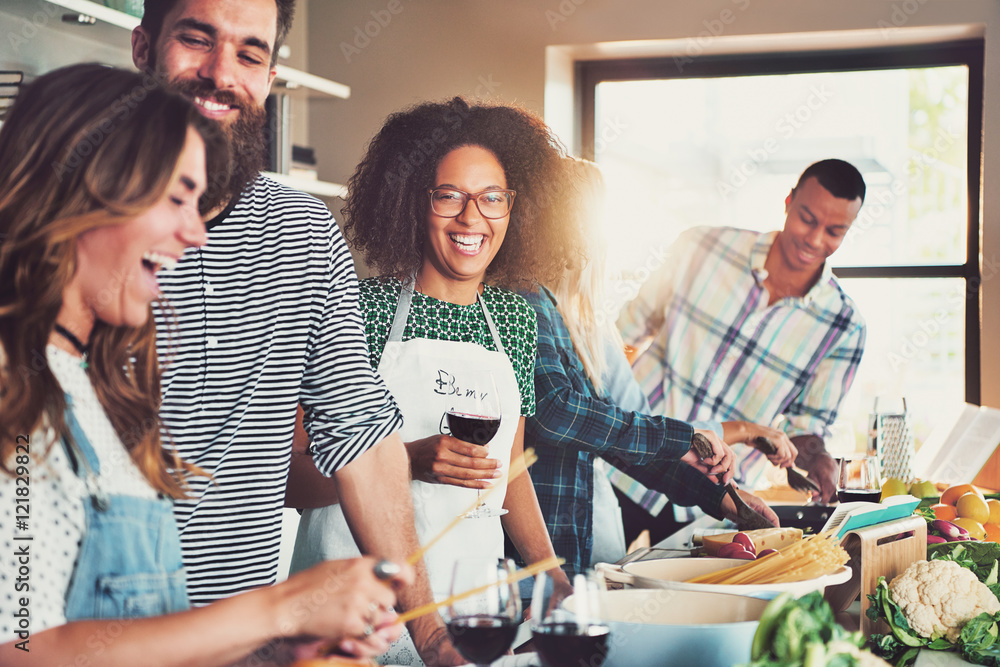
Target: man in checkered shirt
743	327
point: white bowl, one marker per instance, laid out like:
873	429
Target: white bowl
673	573
660	628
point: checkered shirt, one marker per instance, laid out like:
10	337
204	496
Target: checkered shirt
572	425
720	352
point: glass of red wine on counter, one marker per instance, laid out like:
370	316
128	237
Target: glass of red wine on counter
569	633
475	418
482	626
860	479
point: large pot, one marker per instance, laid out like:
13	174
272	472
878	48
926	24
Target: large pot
660	628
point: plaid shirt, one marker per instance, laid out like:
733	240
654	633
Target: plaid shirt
572	425
720	352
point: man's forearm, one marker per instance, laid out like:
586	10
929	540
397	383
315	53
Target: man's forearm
375	496
821	467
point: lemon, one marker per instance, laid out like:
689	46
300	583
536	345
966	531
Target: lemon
994	506
893	487
972	506
976	529
953	493
925	489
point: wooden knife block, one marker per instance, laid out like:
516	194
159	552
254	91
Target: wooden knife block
882	550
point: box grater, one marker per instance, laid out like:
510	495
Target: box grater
891	438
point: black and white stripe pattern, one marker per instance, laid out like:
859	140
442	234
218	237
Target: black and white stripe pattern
266	318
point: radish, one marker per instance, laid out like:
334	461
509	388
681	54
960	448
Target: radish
744	539
735	550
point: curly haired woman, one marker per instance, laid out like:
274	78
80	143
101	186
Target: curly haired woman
452	208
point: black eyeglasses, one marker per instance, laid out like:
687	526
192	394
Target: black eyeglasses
492	204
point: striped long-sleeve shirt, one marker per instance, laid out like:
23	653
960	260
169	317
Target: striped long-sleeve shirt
719	351
267	318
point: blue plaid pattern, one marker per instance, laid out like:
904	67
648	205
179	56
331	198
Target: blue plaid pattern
572	425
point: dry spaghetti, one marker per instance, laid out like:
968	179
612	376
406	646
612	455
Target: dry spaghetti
808	558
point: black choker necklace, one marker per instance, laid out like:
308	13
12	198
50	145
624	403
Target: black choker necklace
75	342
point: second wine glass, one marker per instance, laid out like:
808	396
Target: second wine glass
860	479
572	634
482	626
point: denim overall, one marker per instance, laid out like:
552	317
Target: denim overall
129	563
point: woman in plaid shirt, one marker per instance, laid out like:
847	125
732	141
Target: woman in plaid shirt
580	418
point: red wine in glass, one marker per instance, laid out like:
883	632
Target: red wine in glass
568	644
472	428
482	638
860	479
855	495
476	419
482	625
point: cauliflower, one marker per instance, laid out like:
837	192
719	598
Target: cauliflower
938	597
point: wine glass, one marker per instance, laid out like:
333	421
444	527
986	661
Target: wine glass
569	633
475	418
482	626
860	479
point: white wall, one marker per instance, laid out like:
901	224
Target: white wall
432	49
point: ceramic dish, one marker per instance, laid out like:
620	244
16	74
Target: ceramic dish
663	628
673	573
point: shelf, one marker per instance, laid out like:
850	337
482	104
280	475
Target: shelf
293	78
99	12
320	188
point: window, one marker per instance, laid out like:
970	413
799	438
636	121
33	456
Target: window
720	140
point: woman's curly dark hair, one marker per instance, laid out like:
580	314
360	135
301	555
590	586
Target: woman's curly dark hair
387	202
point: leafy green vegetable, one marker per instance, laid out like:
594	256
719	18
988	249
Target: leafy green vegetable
980	633
978	641
980	557
882	607
803	633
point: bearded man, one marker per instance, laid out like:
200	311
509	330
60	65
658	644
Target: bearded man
265	319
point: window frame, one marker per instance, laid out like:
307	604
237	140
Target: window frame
969	53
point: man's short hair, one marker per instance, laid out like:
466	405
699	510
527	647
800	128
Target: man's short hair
154	12
841	179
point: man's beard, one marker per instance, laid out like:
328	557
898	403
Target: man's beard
247	143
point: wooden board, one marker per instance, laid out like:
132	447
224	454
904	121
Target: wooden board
882	550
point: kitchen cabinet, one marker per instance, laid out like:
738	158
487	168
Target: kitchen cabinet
98	38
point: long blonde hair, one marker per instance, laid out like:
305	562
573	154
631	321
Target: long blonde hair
83	147
580	292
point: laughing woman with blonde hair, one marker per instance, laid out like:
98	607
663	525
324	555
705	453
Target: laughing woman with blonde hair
591	413
100	177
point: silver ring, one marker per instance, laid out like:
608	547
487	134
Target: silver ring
386	569
368	630
373	613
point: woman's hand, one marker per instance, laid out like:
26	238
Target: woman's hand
342	605
442	459
719	466
729	508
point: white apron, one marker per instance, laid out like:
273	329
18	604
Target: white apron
423	376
